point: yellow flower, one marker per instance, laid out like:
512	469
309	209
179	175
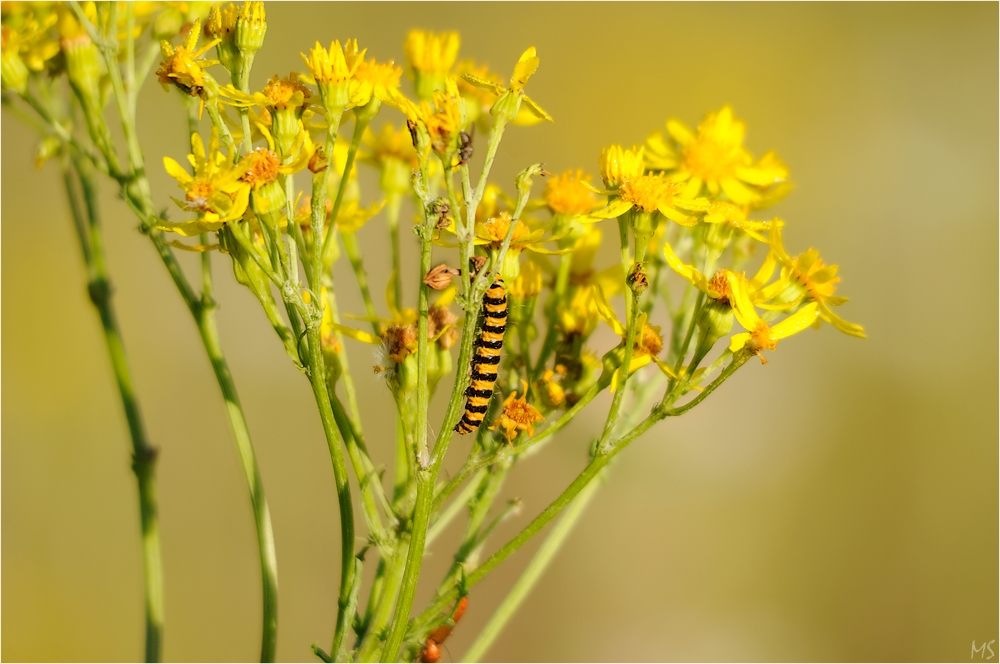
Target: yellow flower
441	120
619	165
430	56
719	287
492	232
726	214
184	67
652	193
518	415
760	335
393	153
715	159
554	394
508	104
817	279
27	45
216	190
378	80
333	72
351	216
569	194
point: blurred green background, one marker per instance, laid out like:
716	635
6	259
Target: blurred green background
838	504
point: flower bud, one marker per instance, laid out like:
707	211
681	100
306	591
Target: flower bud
268	202
14	71
251	26
222	25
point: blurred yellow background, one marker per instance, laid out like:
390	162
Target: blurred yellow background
838	504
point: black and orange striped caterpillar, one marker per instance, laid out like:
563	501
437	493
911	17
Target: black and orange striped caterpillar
486	361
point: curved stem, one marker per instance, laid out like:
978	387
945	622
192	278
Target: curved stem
143	454
317	378
445	596
262	518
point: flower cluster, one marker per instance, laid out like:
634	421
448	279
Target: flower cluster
517	290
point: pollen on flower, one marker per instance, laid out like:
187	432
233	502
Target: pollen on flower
262	167
518	415
761	339
569	194
497	227
648	192
281	92
199	196
720	284
649	342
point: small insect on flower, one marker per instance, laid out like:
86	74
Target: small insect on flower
432	651
487	358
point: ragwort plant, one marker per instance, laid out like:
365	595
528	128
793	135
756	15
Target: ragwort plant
520	299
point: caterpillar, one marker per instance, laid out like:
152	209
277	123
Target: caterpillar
486	361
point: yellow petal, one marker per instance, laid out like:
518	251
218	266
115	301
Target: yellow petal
740	299
738	341
843	325
797	322
615	208
680	132
177	172
535	109
689	272
607	313
358	335
525	67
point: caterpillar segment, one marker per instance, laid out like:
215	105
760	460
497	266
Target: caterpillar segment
486	360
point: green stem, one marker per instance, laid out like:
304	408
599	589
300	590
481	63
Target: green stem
143	454
359	130
446	596
546	553
317	378
137	195
262	518
631	298
392	580
354	256
392	216
556	300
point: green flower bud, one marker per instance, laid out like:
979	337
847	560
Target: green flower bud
251	26
269	202
14	71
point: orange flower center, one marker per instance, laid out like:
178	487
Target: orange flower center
199	194
720	284
279	91
497	228
761	339
649	342
648	192
264	165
